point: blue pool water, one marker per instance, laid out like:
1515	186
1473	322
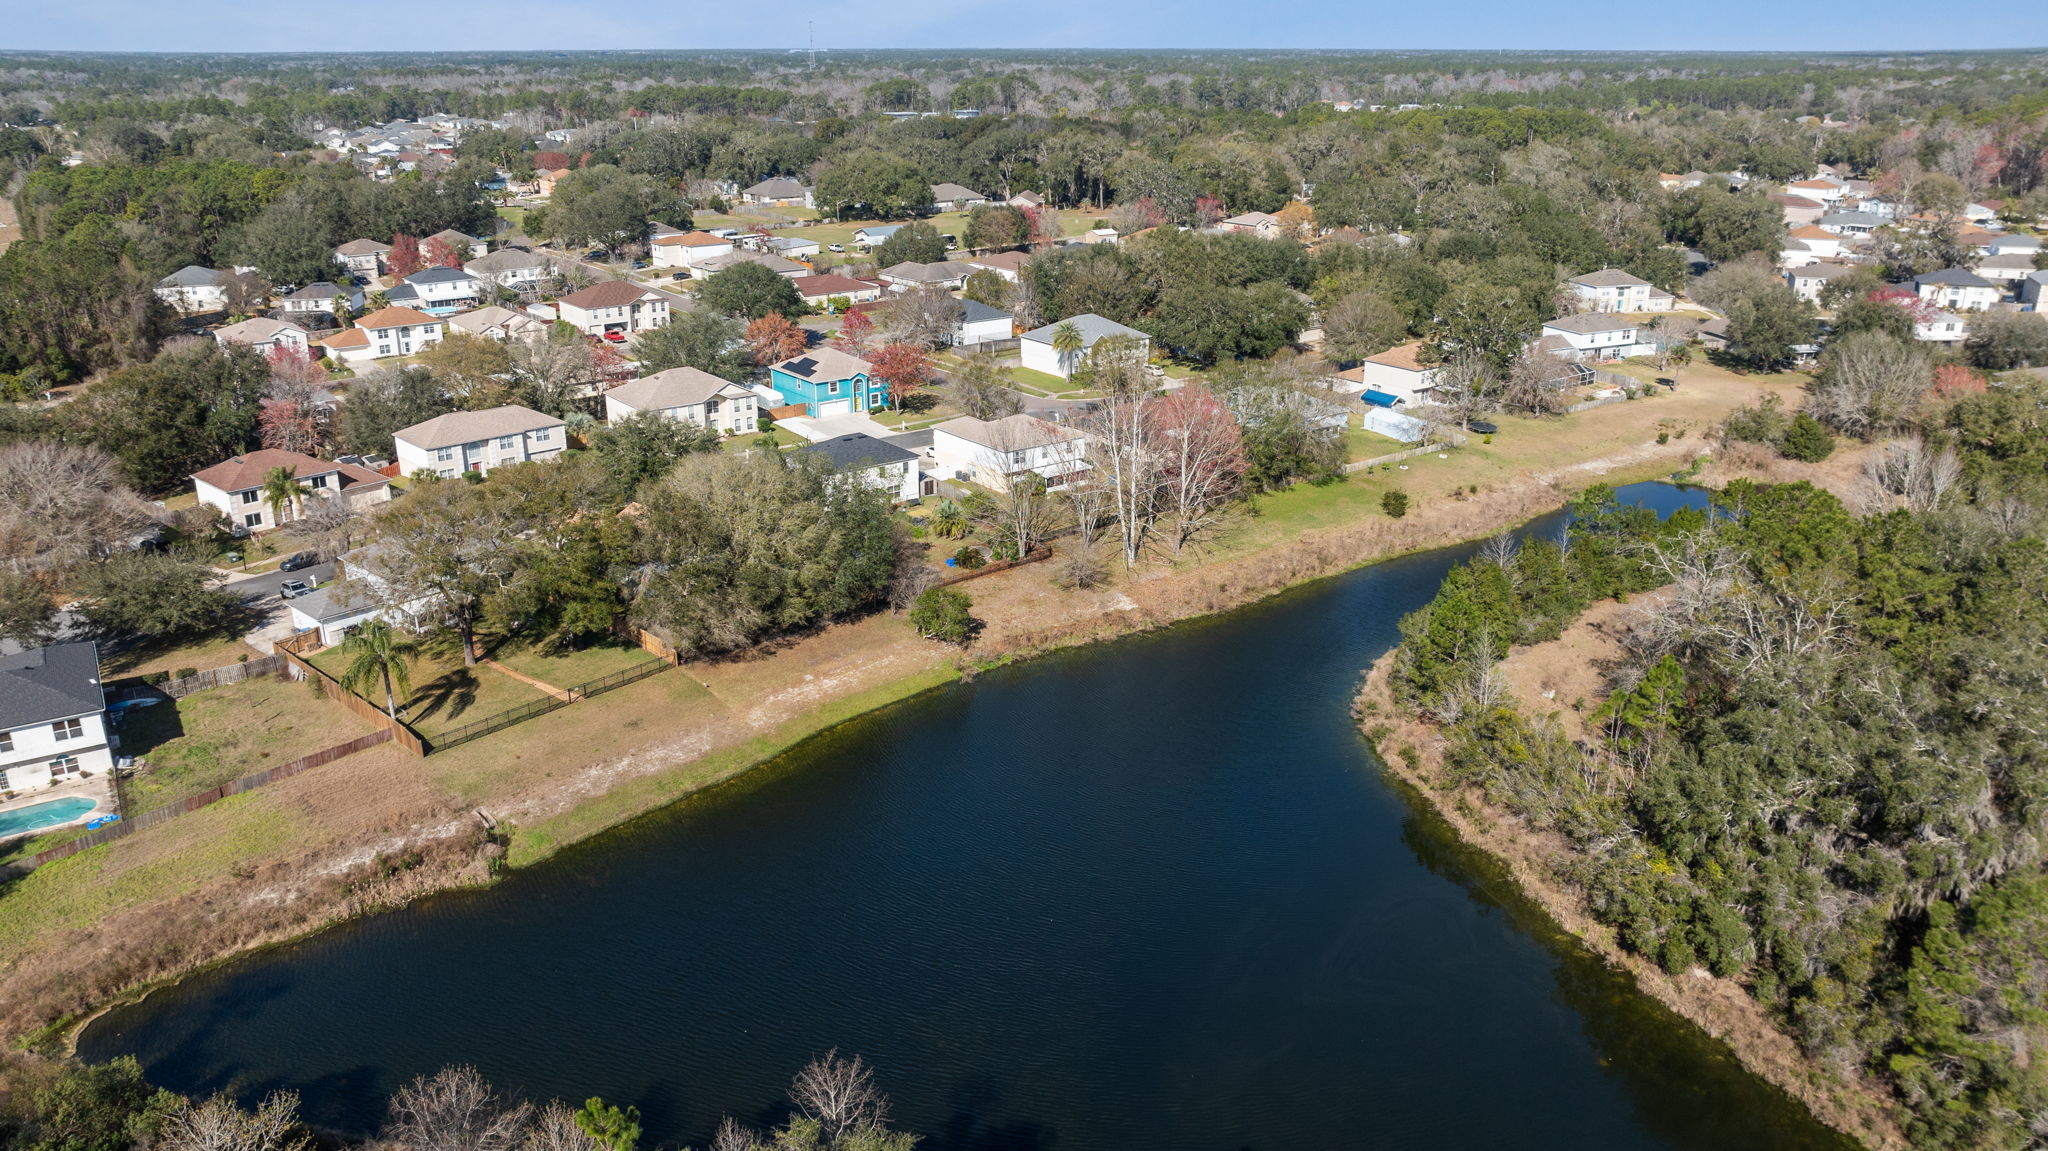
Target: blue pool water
37	816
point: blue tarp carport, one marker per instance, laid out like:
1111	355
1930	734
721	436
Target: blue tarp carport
1379	399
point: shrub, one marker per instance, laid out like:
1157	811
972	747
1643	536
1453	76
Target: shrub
917	403
185	673
943	613
155	677
1763	423
1080	568
242	658
1663	437
969	558
1806	440
1395	503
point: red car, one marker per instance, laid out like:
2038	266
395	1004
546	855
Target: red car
616	337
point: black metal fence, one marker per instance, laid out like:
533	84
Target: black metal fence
477	729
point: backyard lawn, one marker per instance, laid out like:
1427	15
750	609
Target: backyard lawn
198	655
1361	444
210	737
568	669
445	694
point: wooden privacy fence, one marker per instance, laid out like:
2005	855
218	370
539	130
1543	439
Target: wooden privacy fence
301	669
1037	554
130	824
220	676
1396	457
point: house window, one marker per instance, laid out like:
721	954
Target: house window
505	443
63	768
6	741
253	520
834	389
542	435
443	455
319	482
73	728
251	496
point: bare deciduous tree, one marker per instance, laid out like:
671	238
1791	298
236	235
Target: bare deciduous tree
1871	382
840	1095
1202	461
1120	449
454	1110
63	505
1913	471
218	1125
979	389
927	316
554	1128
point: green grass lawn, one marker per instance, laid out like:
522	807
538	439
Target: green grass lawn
212	736
1039	383
198	655
568	669
1360	444
445	694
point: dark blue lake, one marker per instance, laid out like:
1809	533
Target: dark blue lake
1150	894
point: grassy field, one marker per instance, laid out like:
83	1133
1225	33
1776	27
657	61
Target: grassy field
212	736
198	655
1361	444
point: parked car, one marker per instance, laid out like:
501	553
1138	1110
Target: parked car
616	337
293	563
293	589
683	275
835	247
597	254
638	264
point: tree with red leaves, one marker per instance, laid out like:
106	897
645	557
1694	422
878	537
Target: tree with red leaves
1921	310
404	259
439	253
1046	225
857	331
550	161
775	338
1201	456
291	417
1952	380
904	367
1208	210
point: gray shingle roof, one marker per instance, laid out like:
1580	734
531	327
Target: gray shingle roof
1091	326
857	451
1609	278
825	364
674	388
46	684
974	312
1954	278
468	427
190	276
1592	322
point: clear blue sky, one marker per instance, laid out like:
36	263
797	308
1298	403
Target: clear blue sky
357	25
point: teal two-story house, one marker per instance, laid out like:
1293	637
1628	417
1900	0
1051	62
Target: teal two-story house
829	382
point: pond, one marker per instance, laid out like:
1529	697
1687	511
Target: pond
1151	894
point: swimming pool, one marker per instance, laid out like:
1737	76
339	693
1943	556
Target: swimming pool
37	816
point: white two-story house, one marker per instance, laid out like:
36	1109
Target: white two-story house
1956	289
1611	290
870	462
690	396
513	268
1597	336
479	441
363	258
396	331
53	717
614	306
234	487
438	288
992	453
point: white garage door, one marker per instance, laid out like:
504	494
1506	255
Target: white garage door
835	408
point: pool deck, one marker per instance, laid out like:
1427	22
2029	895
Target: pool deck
98	787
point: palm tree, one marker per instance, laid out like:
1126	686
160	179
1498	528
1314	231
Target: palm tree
377	651
281	492
1067	341
948	520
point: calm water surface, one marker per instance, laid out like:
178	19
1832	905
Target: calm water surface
1150	895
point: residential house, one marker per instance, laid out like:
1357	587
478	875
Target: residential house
479	441
817	290
687	249
361	593
1026	200
1827	191
1957	289
2014	244
349	347
1940	327
614	306
994	453
1596	337
689	396
1793	254
1395	376
2032	290
780	191
53	717
545	182
873	234
829	382
2007	269
363	258
320	297
1807	282
981	324
792	247
513	268
465	245
1262	224
1612	290
396	331
788	269
1037	351
1851	223
1824	245
436	289
873	463
235	487
948	274
1799	210
1008	265
263	334
194	289
500	324
954	198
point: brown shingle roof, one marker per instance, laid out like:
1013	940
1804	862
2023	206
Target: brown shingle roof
395	317
1407	357
249	469
468	427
